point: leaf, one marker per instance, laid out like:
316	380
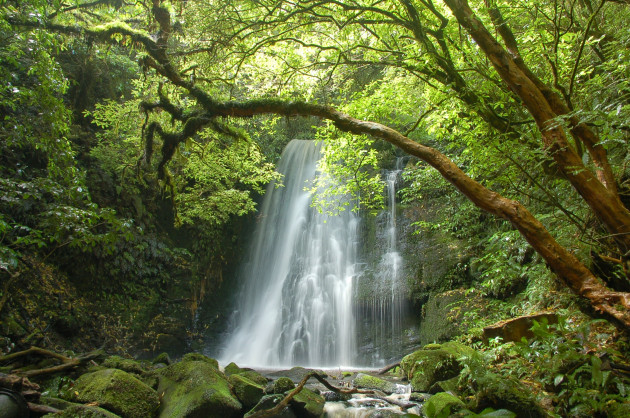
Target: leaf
559	378
596	371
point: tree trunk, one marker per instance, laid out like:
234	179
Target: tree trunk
545	108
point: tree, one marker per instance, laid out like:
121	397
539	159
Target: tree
447	47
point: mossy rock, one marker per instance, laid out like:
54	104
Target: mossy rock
450	385
365	381
125	364
200	357
434	363
117	391
268	402
83	411
254	376
282	384
307	404
54	402
248	392
442	404
195	389
162	358
503	392
231	369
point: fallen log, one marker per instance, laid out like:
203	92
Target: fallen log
66	362
389	367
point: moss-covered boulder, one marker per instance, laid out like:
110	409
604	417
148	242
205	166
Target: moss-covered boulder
365	381
308	404
442	404
282	384
268	402
83	411
450	385
162	358
195	389
434	363
254	376
125	364
232	368
117	391
248	392
200	357
503	392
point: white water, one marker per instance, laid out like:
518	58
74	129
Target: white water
296	306
386	308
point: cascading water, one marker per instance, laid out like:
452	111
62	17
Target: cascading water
383	313
296	307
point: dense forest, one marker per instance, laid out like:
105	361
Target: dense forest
138	138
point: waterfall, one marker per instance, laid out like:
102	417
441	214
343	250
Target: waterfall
383	314
296	306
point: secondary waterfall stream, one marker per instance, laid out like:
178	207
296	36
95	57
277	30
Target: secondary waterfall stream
298	302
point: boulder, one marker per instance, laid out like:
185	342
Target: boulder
248	392
268	402
434	363
201	357
232	368
117	391
195	388
282	384
450	385
365	381
503	392
162	358
442	404
254	376
307	404
516	328
125	364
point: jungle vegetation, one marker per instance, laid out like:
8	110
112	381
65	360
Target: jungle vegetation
517	113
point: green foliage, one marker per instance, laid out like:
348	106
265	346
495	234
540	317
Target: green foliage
347	175
571	361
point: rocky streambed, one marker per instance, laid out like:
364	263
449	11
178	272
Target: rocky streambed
427	382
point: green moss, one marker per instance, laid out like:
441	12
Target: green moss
195	389
128	365
308	404
200	357
254	376
502	392
247	391
162	358
268	402
450	385
283	384
442	405
232	368
434	363
117	391
365	381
